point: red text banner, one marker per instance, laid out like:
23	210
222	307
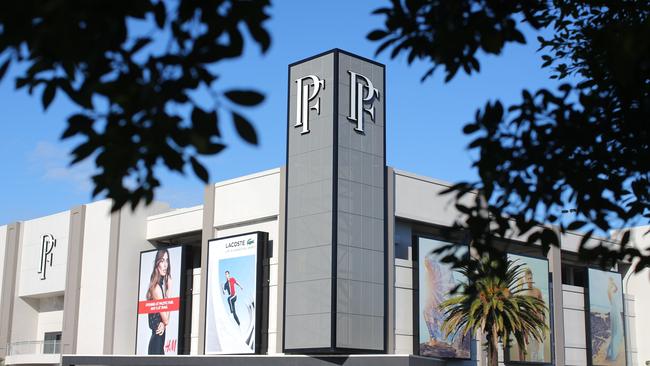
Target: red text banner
156	306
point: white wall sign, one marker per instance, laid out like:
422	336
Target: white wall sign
44	255
361	93
304	97
48	243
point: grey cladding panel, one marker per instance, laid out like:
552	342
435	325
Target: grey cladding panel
308	278
361	209
334	284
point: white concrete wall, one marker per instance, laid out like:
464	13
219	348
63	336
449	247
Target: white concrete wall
94	278
638	285
632	353
196	298
252	203
29	261
25	314
132	240
418	198
175	222
49	321
247	198
575	336
3	246
403	306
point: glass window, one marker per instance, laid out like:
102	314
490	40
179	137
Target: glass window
52	342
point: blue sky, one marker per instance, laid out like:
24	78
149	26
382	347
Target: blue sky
424	120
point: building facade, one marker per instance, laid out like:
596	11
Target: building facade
330	254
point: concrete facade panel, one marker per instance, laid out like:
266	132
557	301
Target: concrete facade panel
3	245
308	297
309	264
309	199
314	227
359	331
175	222
94	276
309	331
369	237
360	264
353	297
235	199
404	313
313	165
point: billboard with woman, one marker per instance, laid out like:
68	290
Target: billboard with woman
534	282
436	281
233	295
606	318
159	301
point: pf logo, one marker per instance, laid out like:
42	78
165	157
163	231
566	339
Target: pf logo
307	89
48	243
361	93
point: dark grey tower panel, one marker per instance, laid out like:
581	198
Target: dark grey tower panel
335	205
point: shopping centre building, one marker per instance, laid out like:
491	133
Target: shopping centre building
329	258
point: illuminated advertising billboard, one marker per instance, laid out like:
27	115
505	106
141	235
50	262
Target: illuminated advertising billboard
436	281
606	318
533	281
234	294
159	301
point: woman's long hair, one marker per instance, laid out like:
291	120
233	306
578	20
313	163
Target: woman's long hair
155	276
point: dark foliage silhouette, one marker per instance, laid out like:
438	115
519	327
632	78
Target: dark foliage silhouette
135	98
585	146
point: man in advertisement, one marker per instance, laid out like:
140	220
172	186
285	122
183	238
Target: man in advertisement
229	288
232	297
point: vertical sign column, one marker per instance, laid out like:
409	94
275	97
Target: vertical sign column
335	206
310	174
361	205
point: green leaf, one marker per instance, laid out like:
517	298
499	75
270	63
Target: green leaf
244	129
244	97
140	44
199	170
4	67
160	13
471	128
76	124
576	225
83	151
205	122
48	94
376	35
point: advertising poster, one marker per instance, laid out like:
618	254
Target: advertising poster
606	318
159	301
232	295
533	282
436	280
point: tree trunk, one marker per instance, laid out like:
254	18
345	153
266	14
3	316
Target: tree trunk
493	349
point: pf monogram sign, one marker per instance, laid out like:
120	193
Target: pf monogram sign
362	97
48	243
361	93
304	97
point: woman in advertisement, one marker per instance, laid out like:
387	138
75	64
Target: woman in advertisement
534	350
616	321
159	286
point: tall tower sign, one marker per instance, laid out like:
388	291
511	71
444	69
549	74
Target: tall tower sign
336	205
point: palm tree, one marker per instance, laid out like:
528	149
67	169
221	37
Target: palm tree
491	302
